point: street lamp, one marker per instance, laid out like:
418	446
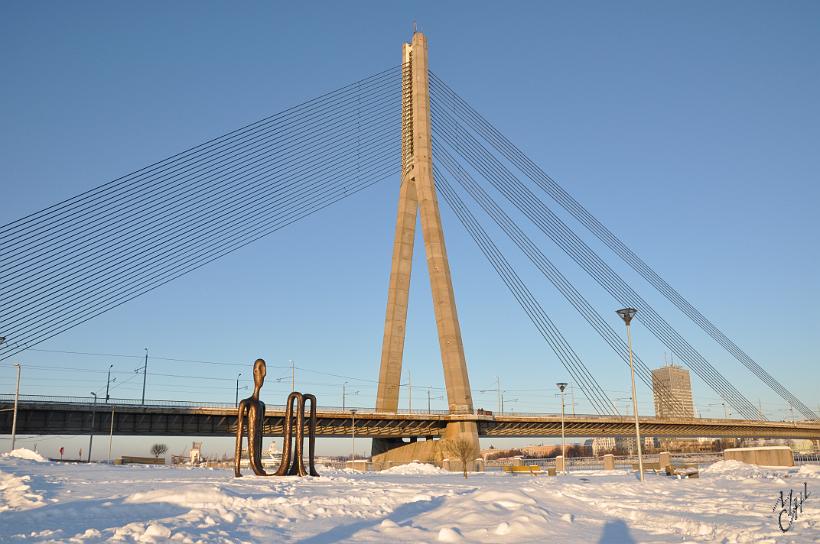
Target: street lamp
91	434
627	314
562	386
236	397
16	402
108	382
353	433
343	395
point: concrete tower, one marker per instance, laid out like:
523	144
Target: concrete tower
417	196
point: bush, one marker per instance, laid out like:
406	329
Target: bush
158	449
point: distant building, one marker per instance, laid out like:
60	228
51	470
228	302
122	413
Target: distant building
625	445
672	389
601	445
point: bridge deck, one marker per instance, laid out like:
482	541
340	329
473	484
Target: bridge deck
54	415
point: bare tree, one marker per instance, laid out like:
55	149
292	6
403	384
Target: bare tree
463	450
158	449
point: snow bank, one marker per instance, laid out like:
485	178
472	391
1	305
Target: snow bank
415	468
65	502
16	494
737	470
23	453
808	471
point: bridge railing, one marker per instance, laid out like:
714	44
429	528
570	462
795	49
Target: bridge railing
806	458
55	399
6	398
165	403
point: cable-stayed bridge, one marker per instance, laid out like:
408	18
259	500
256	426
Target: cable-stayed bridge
74	260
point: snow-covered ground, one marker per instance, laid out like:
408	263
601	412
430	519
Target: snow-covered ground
63	502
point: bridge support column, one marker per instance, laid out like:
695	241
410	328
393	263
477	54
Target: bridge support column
417	196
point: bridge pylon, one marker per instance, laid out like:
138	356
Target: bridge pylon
417	197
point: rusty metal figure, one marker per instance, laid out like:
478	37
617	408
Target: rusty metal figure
292	463
254	410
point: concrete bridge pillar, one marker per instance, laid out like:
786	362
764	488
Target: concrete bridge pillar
560	466
417	196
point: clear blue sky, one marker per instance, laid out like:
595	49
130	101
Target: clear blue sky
691	130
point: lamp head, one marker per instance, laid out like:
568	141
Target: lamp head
562	386
626	314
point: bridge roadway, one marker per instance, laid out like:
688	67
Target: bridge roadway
73	415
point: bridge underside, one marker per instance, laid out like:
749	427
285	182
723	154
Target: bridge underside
75	418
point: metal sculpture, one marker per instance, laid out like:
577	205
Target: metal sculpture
254	410
292	463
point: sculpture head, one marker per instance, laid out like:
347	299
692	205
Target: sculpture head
259	372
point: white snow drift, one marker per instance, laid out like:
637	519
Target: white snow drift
65	502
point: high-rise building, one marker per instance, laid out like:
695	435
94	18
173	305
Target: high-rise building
672	389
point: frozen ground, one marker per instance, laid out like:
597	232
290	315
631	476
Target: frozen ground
62	502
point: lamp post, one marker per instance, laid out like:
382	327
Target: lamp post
144	375
343	395
111	435
499	394
16	401
627	314
236	397
429	398
91	434
506	401
561	387
409	393
353	434
108	382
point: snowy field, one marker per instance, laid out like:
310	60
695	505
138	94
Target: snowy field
63	502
